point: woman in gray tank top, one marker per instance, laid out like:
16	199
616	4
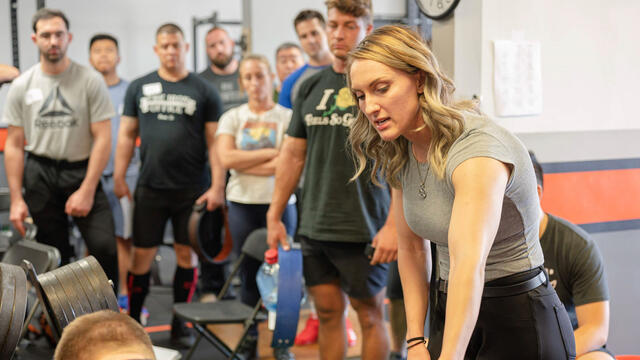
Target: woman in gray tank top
467	185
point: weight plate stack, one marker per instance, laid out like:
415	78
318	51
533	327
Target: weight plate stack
83	282
106	286
13	307
73	290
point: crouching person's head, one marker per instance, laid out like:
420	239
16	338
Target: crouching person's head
104	335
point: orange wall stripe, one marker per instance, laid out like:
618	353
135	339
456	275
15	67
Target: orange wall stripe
3	138
593	196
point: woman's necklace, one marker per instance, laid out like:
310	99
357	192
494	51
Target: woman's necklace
422	191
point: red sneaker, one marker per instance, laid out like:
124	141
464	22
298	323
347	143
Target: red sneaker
352	338
308	335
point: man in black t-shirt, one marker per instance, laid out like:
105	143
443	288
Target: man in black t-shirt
175	114
223	74
339	217
223	71
576	271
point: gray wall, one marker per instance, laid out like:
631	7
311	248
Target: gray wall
619	249
620	252
134	24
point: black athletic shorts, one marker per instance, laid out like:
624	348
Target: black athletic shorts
153	208
326	261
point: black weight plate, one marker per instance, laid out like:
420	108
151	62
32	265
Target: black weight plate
64	301
92	295
81	292
59	317
66	282
68	288
7	296
105	285
78	289
44	303
88	272
19	312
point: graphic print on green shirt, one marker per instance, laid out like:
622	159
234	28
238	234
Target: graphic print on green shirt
333	208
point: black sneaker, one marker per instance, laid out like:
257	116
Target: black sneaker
181	336
248	348
283	354
396	356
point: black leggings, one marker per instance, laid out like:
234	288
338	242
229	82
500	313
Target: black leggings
531	325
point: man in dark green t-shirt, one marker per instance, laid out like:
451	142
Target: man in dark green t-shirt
576	271
338	217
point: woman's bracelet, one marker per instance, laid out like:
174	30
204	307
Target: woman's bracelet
417	338
416	343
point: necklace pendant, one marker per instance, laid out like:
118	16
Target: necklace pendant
422	192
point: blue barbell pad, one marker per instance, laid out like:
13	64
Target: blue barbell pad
289	297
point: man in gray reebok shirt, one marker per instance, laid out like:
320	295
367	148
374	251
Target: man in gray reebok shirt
58	111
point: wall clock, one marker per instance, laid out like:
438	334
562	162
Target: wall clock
437	9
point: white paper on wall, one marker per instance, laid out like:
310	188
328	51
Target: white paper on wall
517	78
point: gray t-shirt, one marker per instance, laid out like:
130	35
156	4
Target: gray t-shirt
56	111
516	247
228	87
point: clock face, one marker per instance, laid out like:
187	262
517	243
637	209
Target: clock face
437	9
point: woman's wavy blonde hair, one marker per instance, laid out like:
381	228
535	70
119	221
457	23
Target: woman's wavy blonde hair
402	48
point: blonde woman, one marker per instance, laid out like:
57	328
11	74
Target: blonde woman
468	186
248	141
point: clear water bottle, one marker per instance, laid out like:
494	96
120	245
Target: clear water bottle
267	280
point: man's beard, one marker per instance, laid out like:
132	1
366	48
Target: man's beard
221	62
53	58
